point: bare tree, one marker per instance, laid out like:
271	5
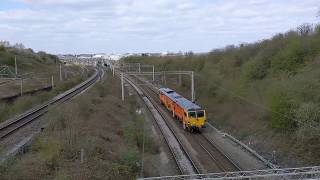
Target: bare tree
19	46
5	43
305	29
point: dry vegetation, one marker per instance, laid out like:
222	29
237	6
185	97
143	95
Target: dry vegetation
265	93
38	69
108	131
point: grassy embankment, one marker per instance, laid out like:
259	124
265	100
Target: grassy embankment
38	65
265	93
108	130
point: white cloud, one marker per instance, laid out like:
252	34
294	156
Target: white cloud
144	25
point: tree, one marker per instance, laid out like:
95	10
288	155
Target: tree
19	46
5	43
189	53
305	29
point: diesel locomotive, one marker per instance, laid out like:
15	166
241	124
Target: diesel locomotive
192	116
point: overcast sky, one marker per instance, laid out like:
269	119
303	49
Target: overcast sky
117	26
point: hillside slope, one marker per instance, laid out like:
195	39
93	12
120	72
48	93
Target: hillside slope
265	93
37	70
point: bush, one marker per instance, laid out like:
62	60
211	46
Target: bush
2	48
131	159
49	151
255	69
290	58
282	108
308	119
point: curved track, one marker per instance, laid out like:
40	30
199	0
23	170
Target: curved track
181	156
206	156
13	125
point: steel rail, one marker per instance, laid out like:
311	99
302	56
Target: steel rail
12	125
242	145
219	158
142	94
198	171
213	145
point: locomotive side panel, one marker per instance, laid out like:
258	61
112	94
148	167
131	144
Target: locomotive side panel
179	111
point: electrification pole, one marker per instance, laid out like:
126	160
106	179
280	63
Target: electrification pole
192	87
180	80
60	72
21	84
15	65
52	83
139	68
122	87
153	73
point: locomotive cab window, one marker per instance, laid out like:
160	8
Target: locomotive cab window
200	114
192	114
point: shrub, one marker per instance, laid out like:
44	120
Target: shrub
282	108
49	151
308	119
290	58
255	69
131	159
2	48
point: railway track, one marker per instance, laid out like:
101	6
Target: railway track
13	125
181	156
205	155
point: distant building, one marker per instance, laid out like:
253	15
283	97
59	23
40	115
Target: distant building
84	56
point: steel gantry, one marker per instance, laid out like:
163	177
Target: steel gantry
127	67
287	173
164	73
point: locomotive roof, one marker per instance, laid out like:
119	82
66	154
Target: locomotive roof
181	101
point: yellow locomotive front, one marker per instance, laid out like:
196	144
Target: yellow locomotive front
196	119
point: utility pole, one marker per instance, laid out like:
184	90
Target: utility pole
143	142
113	70
192	87
139	68
153	73
81	155
21	90
122	87
15	65
60	72
52	83
180	80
